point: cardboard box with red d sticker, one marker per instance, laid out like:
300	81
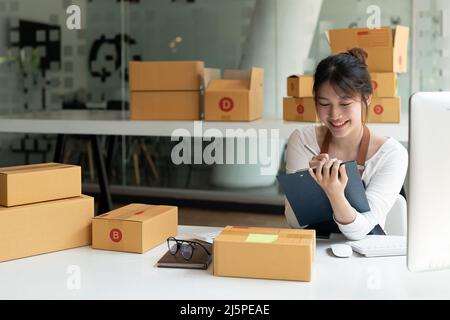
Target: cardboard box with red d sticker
268	253
384	84
384	110
299	109
134	228
236	97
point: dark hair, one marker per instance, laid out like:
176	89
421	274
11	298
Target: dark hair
347	73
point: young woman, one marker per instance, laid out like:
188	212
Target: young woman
343	92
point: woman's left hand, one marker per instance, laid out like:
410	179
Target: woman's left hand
331	176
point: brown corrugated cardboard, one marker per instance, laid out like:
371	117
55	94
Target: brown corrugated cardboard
40	182
236	97
134	228
384	110
166	75
165	105
387	48
268	253
168	90
44	227
384	84
300	86
299	109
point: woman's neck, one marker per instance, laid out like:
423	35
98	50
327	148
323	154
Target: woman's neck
350	142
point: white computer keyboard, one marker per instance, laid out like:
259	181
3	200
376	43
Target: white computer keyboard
379	246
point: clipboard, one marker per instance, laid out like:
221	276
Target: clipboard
310	203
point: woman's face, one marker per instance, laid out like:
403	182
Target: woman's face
341	114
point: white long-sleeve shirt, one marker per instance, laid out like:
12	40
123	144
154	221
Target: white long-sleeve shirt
383	176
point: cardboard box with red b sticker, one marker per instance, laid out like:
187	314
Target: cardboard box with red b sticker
134	228
384	110
299	109
236	97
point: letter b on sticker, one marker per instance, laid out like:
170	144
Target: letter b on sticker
115	235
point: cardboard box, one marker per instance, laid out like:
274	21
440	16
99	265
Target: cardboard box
384	84
236	97
387	47
39	182
134	228
168	90
45	227
384	110
299	109
166	75
165	105
267	253
300	86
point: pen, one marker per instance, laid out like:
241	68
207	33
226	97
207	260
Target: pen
311	150
360	167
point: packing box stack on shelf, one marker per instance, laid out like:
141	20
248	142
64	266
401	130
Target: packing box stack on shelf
236	97
168	90
269	253
299	105
42	210
387	49
134	228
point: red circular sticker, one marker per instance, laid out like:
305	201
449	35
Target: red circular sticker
226	104
374	85
378	109
115	235
300	109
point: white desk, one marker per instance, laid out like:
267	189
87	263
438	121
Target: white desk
117	275
115	123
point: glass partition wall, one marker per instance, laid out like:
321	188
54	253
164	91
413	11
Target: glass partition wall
48	65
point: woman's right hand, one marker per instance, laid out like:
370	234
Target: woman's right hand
316	160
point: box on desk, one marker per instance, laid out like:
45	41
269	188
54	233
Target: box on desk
300	86
268	253
44	227
134	228
236	97
299	109
387	48
39	182
384	110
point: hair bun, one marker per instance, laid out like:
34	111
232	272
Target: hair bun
359	54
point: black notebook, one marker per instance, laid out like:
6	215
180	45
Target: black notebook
310	203
200	259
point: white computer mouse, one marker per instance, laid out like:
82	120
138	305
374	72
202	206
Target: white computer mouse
341	250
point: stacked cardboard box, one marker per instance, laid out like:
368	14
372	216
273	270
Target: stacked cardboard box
168	90
267	253
134	228
388	51
236	97
299	105
42	210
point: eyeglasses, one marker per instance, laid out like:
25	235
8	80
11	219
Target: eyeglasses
186	247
